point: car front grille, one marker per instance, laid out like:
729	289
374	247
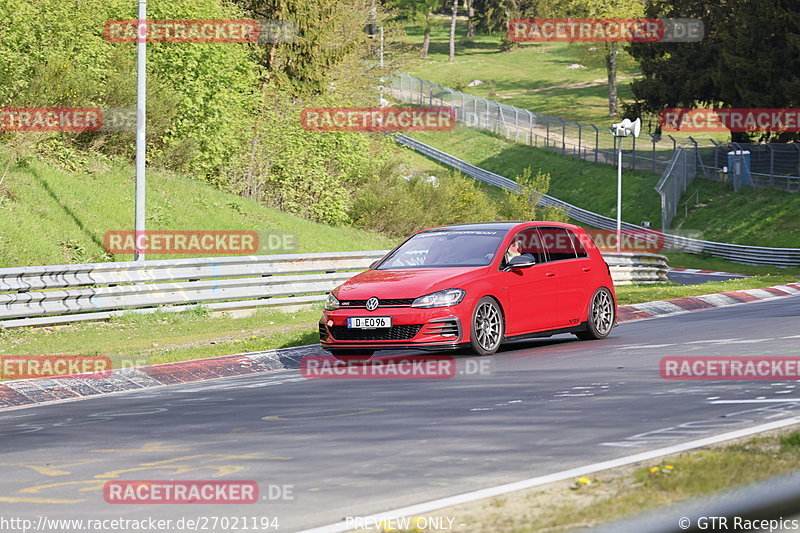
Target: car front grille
388	302
394	333
323	333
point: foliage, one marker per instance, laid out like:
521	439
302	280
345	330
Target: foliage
307	173
199	96
402	205
749	58
328	51
523	205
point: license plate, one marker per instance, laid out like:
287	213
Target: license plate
369	322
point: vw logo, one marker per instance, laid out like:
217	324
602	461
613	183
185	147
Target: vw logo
372	304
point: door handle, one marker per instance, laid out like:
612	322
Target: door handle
549	274
586	269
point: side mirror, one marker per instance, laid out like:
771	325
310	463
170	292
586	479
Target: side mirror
521	261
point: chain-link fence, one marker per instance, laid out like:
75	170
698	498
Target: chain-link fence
774	165
673	183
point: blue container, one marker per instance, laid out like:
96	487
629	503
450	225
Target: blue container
739	168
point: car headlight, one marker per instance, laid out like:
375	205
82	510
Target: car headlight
443	298
332	302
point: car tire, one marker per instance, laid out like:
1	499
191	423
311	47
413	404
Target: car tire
600	318
351	355
487	326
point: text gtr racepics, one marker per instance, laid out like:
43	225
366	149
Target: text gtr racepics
474	285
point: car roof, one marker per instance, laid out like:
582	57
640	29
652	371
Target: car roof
502	226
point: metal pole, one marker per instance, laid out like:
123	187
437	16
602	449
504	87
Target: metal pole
380	100
619	195
141	100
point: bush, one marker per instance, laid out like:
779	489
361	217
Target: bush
401	206
308	173
200	97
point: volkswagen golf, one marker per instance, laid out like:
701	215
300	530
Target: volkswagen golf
474	285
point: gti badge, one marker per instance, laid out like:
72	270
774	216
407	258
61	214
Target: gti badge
372	304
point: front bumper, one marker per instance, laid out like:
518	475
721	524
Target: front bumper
412	328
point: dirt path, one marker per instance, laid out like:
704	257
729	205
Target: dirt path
573	85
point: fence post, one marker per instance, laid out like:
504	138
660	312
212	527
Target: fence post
788	187
596	142
580	134
530	127
633	155
653	139
771	166
696	150
547	134
516	124
563	136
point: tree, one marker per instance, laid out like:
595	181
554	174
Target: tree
326	42
454	14
494	15
749	58
470	18
610	50
421	13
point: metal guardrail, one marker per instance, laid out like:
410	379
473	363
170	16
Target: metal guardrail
748	255
48	295
62	294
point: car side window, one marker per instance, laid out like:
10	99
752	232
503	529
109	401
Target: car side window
557	243
577	244
527	241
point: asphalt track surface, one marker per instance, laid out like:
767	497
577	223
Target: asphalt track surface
352	448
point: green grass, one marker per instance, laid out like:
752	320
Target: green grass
139	339
691	475
509	75
766	217
530	76
587	185
49	216
633	294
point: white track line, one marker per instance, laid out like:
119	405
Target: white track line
783	400
491	492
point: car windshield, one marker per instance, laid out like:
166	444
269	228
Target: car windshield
446	248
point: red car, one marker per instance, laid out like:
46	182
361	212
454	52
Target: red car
476	285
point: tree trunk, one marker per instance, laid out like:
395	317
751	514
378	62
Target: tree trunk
453	32
470	19
426	41
611	67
